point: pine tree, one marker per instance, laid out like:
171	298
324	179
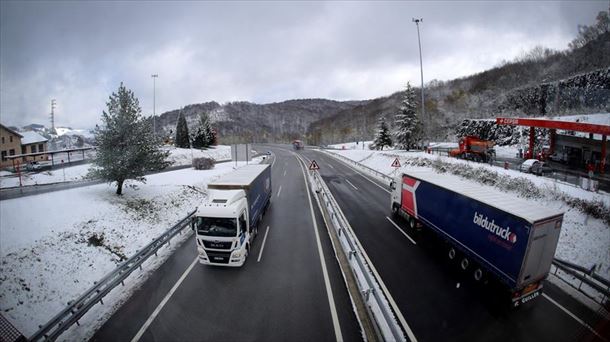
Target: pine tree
203	136
408	127
182	133
126	145
382	138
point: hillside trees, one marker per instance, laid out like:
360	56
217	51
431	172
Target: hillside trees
408	126
182	133
126	145
589	33
382	137
204	135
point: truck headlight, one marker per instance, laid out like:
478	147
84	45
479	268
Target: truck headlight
237	254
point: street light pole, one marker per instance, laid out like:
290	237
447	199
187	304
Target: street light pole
154	77
421	68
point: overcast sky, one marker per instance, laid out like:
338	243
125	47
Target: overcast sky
79	52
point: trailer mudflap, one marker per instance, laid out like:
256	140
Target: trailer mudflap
527	294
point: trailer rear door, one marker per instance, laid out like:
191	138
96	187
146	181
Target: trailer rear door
541	250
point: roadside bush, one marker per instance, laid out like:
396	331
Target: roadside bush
203	163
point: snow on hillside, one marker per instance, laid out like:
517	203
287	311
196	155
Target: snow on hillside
179	156
49	257
69	131
183	156
584	240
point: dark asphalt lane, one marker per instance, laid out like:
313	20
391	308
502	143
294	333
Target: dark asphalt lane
439	301
281	298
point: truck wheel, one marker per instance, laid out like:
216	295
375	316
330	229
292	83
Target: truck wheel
412	222
394	210
451	253
464	264
478	274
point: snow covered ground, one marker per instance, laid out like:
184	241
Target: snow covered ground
46	242
584	240
179	156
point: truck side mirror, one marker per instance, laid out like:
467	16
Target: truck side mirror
393	185
192	223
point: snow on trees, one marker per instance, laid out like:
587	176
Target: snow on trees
382	137
408	126
182	133
126	145
204	135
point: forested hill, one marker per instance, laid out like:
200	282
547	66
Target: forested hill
542	82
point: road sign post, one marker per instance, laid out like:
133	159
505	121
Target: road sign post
395	165
313	166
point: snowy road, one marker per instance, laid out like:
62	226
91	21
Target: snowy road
282	297
438	301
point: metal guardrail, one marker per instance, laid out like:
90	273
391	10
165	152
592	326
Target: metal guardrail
77	308
584	275
377	304
382	176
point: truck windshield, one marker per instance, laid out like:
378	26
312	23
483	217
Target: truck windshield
216	226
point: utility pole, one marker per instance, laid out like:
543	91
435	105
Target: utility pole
154	77
53	103
421	68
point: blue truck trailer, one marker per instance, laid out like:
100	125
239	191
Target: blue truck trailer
228	221
488	231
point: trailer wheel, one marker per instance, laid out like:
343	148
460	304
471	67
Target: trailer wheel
478	274
451	253
464	264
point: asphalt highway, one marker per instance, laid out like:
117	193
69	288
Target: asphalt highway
438	301
283	297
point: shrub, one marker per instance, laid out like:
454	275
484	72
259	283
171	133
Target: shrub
203	163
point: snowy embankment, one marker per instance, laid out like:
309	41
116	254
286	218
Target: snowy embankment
585	234
178	156
54	246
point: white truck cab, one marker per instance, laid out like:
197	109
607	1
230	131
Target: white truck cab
222	228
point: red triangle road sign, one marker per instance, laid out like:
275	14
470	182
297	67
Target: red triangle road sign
396	163
313	165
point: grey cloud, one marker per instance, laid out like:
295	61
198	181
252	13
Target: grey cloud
78	52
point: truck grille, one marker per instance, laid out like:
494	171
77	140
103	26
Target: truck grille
217	244
219	257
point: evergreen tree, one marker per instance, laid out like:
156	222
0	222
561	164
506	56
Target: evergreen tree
408	127
182	133
203	136
382	138
126	145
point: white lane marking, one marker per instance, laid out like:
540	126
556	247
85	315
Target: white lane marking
329	291
260	254
362	174
384	288
332	167
279	191
573	316
400	230
274	158
284	172
163	302
350	183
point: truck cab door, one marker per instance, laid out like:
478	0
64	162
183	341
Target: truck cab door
243	224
